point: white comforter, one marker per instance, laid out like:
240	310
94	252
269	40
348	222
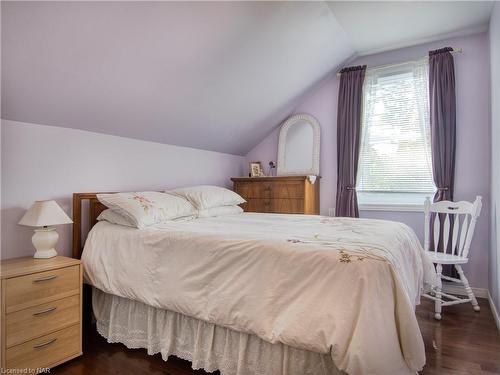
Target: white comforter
342	286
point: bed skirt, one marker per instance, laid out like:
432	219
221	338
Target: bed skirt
206	346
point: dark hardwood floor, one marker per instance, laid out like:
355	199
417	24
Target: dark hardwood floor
464	342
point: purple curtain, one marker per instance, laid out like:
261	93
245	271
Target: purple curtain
442	121
443	132
348	131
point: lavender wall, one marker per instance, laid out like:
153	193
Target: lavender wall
473	149
322	104
495	160
45	162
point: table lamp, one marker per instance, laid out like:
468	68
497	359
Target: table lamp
44	214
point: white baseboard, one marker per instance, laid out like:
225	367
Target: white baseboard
458	289
494	311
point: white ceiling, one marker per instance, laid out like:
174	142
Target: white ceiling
216	76
211	75
375	26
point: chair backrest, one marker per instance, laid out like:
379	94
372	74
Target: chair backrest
455	220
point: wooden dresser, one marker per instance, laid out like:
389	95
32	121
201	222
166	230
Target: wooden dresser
41	312
284	194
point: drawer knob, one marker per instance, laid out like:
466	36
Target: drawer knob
42	279
43	344
50	309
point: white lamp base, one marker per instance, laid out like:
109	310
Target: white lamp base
44	240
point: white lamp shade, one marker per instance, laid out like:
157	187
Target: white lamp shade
45	213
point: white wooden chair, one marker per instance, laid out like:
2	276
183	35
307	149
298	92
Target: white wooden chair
457	221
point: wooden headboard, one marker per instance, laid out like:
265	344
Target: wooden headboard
94	209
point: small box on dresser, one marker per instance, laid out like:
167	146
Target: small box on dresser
41	312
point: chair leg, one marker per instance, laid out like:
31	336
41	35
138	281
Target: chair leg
438	301
468	289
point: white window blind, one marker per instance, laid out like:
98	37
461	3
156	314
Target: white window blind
395	152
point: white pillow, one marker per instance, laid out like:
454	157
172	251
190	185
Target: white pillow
220	211
147	208
114	217
206	196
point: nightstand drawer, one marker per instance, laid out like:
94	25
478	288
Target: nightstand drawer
46	350
38	320
26	291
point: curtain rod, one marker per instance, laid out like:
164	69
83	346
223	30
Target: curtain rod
455	51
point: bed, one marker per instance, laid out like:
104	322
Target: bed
260	293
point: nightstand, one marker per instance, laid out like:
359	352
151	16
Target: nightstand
41	312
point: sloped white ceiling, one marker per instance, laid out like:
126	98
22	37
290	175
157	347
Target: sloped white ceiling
376	26
215	76
211	75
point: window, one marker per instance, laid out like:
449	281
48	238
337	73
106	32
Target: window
395	154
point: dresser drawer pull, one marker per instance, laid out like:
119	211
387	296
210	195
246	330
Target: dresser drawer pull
52	277
50	309
45	343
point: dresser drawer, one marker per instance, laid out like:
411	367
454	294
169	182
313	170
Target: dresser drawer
249	190
45	351
271	189
284	206
287	206
257	205
25	291
287	190
38	320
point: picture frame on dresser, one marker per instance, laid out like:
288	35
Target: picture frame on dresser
256	169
